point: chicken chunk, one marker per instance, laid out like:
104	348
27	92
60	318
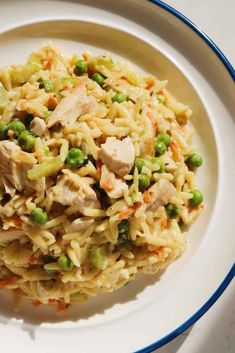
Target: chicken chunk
118	155
38	127
119	189
14	165
161	193
73	106
69	192
81	223
114	187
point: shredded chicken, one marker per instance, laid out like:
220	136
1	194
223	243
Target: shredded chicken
161	193
114	187
69	192
14	165
73	106
118	190
118	155
38	127
107	179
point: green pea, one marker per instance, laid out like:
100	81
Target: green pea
3	131
172	210
164	138
160	147
46	84
17	127
160	163
119	97
144	182
197	198
122	238
27	141
75	157
98	78
139	164
81	67
123	226
65	263
39	216
194	161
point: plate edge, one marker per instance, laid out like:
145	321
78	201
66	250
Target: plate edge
199	32
219	291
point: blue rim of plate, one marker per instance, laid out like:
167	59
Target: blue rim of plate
215	296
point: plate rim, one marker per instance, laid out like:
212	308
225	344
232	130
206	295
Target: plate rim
231	274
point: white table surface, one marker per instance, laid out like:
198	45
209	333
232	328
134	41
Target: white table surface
215	331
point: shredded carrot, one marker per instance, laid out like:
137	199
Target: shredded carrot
7	281
108	185
126	214
17	221
62	307
52	103
98	169
150	84
136	205
52	301
147	196
149	147
86	56
47	64
175	151
36	303
91	69
35	260
164	223
129	211
108	182
160	253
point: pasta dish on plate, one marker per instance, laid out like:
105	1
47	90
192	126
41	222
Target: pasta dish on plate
97	176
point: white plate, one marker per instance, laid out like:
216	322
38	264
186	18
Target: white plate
153	309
